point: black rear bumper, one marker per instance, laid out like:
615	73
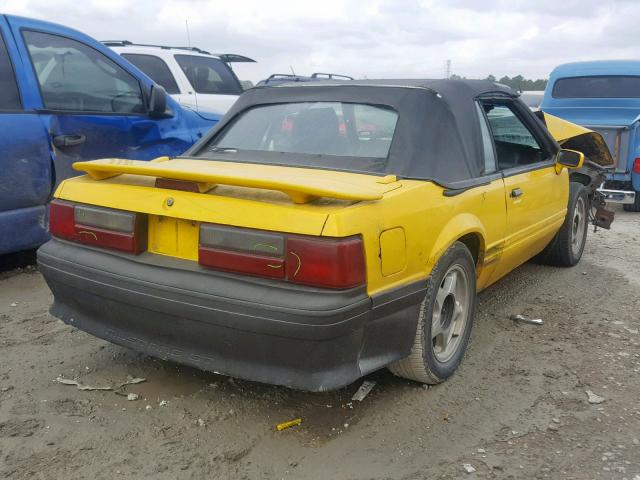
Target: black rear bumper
272	332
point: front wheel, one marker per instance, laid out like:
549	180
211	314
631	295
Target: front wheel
444	321
566	248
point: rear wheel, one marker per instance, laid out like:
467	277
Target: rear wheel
566	248
444	321
635	206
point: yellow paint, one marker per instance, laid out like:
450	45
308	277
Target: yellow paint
388	179
174	237
289	424
205	186
405	232
90	234
534	217
572	136
160	159
431	223
303	185
563	130
393	252
236	207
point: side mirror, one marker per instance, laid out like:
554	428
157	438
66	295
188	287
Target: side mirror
570	158
158	101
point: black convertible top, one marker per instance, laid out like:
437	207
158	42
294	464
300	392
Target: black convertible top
437	136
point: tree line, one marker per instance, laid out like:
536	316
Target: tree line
518	82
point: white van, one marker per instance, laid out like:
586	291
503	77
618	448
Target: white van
194	77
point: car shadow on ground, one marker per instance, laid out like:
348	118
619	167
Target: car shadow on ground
18	260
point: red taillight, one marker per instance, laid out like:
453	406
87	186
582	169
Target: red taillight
242	262
127	242
61	220
101	227
332	263
320	262
636	165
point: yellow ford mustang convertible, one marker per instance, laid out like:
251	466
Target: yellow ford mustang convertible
322	231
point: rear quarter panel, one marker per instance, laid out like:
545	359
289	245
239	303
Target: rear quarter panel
431	223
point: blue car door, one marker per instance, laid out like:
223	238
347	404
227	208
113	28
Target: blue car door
92	102
25	158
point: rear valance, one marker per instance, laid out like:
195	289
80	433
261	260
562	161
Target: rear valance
302	185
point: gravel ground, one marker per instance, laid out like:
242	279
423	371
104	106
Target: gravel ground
516	409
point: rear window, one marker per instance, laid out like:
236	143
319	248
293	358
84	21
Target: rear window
209	75
312	128
328	135
597	87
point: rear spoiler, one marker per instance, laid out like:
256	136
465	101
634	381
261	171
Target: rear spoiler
302	185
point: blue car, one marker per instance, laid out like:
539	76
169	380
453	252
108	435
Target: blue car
65	97
604	96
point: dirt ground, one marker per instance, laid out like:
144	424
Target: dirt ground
516	409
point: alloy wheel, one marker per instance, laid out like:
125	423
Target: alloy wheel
578	226
450	313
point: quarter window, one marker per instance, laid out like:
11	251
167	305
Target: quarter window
515	144
75	77
487	144
156	69
9	95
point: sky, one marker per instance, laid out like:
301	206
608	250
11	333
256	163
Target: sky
366	38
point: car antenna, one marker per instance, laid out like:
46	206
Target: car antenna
195	94
292	71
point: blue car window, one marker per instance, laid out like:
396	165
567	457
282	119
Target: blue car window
9	95
156	69
75	77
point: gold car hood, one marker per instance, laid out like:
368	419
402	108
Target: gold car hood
575	137
302	185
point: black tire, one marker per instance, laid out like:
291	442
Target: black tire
423	363
566	248
633	207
